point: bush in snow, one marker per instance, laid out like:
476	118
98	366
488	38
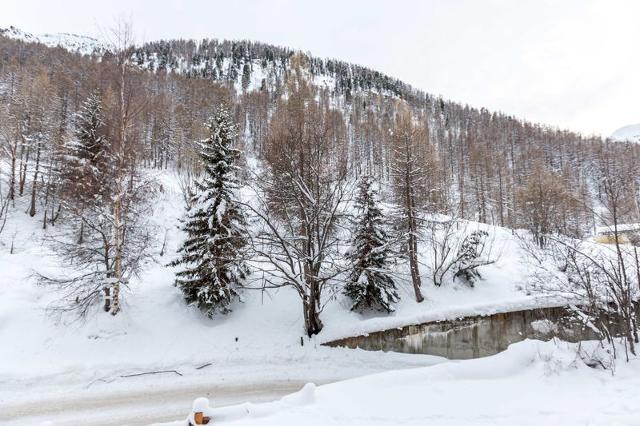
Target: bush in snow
470	257
454	251
370	284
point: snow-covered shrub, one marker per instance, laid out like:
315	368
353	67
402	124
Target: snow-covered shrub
457	253
470	257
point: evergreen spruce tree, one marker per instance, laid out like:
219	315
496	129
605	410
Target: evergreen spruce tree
246	76
84	169
86	162
213	254
370	285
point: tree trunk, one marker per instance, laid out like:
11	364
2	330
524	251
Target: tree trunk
12	183
413	244
413	265
55	216
107	299
81	235
23	167
118	201
34	189
117	261
500	198
312	321
47	194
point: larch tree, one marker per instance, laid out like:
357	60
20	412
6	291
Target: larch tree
409	178
213	254
370	284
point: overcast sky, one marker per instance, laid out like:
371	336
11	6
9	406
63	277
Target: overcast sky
570	63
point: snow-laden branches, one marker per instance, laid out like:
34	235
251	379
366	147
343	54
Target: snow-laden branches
600	281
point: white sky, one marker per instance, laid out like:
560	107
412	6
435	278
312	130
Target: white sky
570	63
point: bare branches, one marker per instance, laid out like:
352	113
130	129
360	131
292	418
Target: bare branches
602	287
301	199
4	209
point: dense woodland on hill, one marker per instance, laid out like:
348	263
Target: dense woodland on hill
315	126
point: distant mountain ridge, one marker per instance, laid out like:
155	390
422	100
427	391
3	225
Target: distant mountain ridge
74	43
627	133
243	63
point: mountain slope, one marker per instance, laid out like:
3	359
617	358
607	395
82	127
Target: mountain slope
627	133
192	76
74	43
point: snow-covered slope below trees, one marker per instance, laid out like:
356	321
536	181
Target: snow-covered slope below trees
627	133
157	331
74	43
45	357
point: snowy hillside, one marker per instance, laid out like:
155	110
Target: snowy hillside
181	334
267	326
75	43
627	133
156	332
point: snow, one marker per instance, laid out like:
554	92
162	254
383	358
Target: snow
503	288
155	314
627	133
47	358
158	351
544	326
622	227
531	383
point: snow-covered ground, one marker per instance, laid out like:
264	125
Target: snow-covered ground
157	330
46	360
532	383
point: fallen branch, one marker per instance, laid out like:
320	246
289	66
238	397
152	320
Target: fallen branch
99	380
152	372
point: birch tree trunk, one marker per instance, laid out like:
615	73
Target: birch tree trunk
118	199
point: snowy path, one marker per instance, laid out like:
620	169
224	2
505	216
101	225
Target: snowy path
138	408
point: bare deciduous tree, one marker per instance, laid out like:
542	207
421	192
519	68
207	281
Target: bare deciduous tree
409	177
302	199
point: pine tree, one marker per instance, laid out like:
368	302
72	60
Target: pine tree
86	162
85	166
213	253
246	76
370	285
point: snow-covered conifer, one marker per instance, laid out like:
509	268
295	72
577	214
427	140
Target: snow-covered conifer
370	285
85	165
212	255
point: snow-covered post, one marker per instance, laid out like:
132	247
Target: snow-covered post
197	417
